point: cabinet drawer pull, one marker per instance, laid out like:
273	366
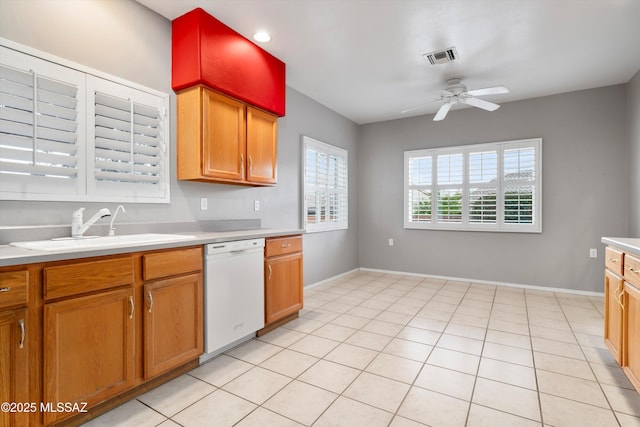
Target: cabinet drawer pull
613	260
286	245
632	270
270	271
150	295
7	289
250	165
131	307
22	333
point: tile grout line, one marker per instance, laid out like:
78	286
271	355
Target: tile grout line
475	379
587	360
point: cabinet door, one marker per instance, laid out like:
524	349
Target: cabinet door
88	349
613	286
14	365
223	137
262	146
283	286
173	323
631	334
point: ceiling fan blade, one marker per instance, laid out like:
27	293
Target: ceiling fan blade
488	91
481	103
418	106
442	112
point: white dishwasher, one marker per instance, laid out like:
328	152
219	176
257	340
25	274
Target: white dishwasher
233	293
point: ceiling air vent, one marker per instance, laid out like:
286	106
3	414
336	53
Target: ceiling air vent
441	56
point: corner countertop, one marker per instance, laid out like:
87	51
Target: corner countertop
628	244
10	255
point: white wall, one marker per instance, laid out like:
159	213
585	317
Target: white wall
585	188
634	155
125	39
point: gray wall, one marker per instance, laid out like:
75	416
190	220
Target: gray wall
586	174
585	188
634	155
125	39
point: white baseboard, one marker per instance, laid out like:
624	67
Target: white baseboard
322	282
464	279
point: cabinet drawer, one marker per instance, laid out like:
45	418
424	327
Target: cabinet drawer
13	288
613	260
171	263
283	245
82	277
632	269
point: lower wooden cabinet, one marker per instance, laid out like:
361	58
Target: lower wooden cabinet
14	366
89	349
613	287
622	310
173	323
111	324
631	334
283	278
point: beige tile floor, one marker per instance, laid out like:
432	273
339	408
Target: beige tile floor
373	349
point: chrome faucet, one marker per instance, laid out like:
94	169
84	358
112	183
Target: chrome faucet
78	228
112	231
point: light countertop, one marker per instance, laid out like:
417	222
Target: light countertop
10	255
628	244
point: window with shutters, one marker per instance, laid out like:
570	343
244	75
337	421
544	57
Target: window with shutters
325	177
70	135
482	187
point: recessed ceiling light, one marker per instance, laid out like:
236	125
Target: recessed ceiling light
262	36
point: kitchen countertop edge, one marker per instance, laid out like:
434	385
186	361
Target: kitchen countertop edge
11	256
628	244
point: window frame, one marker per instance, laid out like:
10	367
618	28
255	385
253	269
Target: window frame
501	184
35	188
341	192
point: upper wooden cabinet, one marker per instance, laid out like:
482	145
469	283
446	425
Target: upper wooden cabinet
221	139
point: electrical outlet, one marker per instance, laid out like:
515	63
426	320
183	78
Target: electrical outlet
203	204
593	253
256	205
390	242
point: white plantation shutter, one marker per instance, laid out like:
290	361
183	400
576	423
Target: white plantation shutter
129	154
41	131
419	191
520	191
483	187
325	179
69	135
449	197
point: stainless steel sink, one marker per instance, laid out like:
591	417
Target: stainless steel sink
70	243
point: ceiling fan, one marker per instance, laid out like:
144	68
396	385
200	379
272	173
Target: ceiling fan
456	92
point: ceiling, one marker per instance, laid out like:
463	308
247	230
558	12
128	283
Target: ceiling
364	58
